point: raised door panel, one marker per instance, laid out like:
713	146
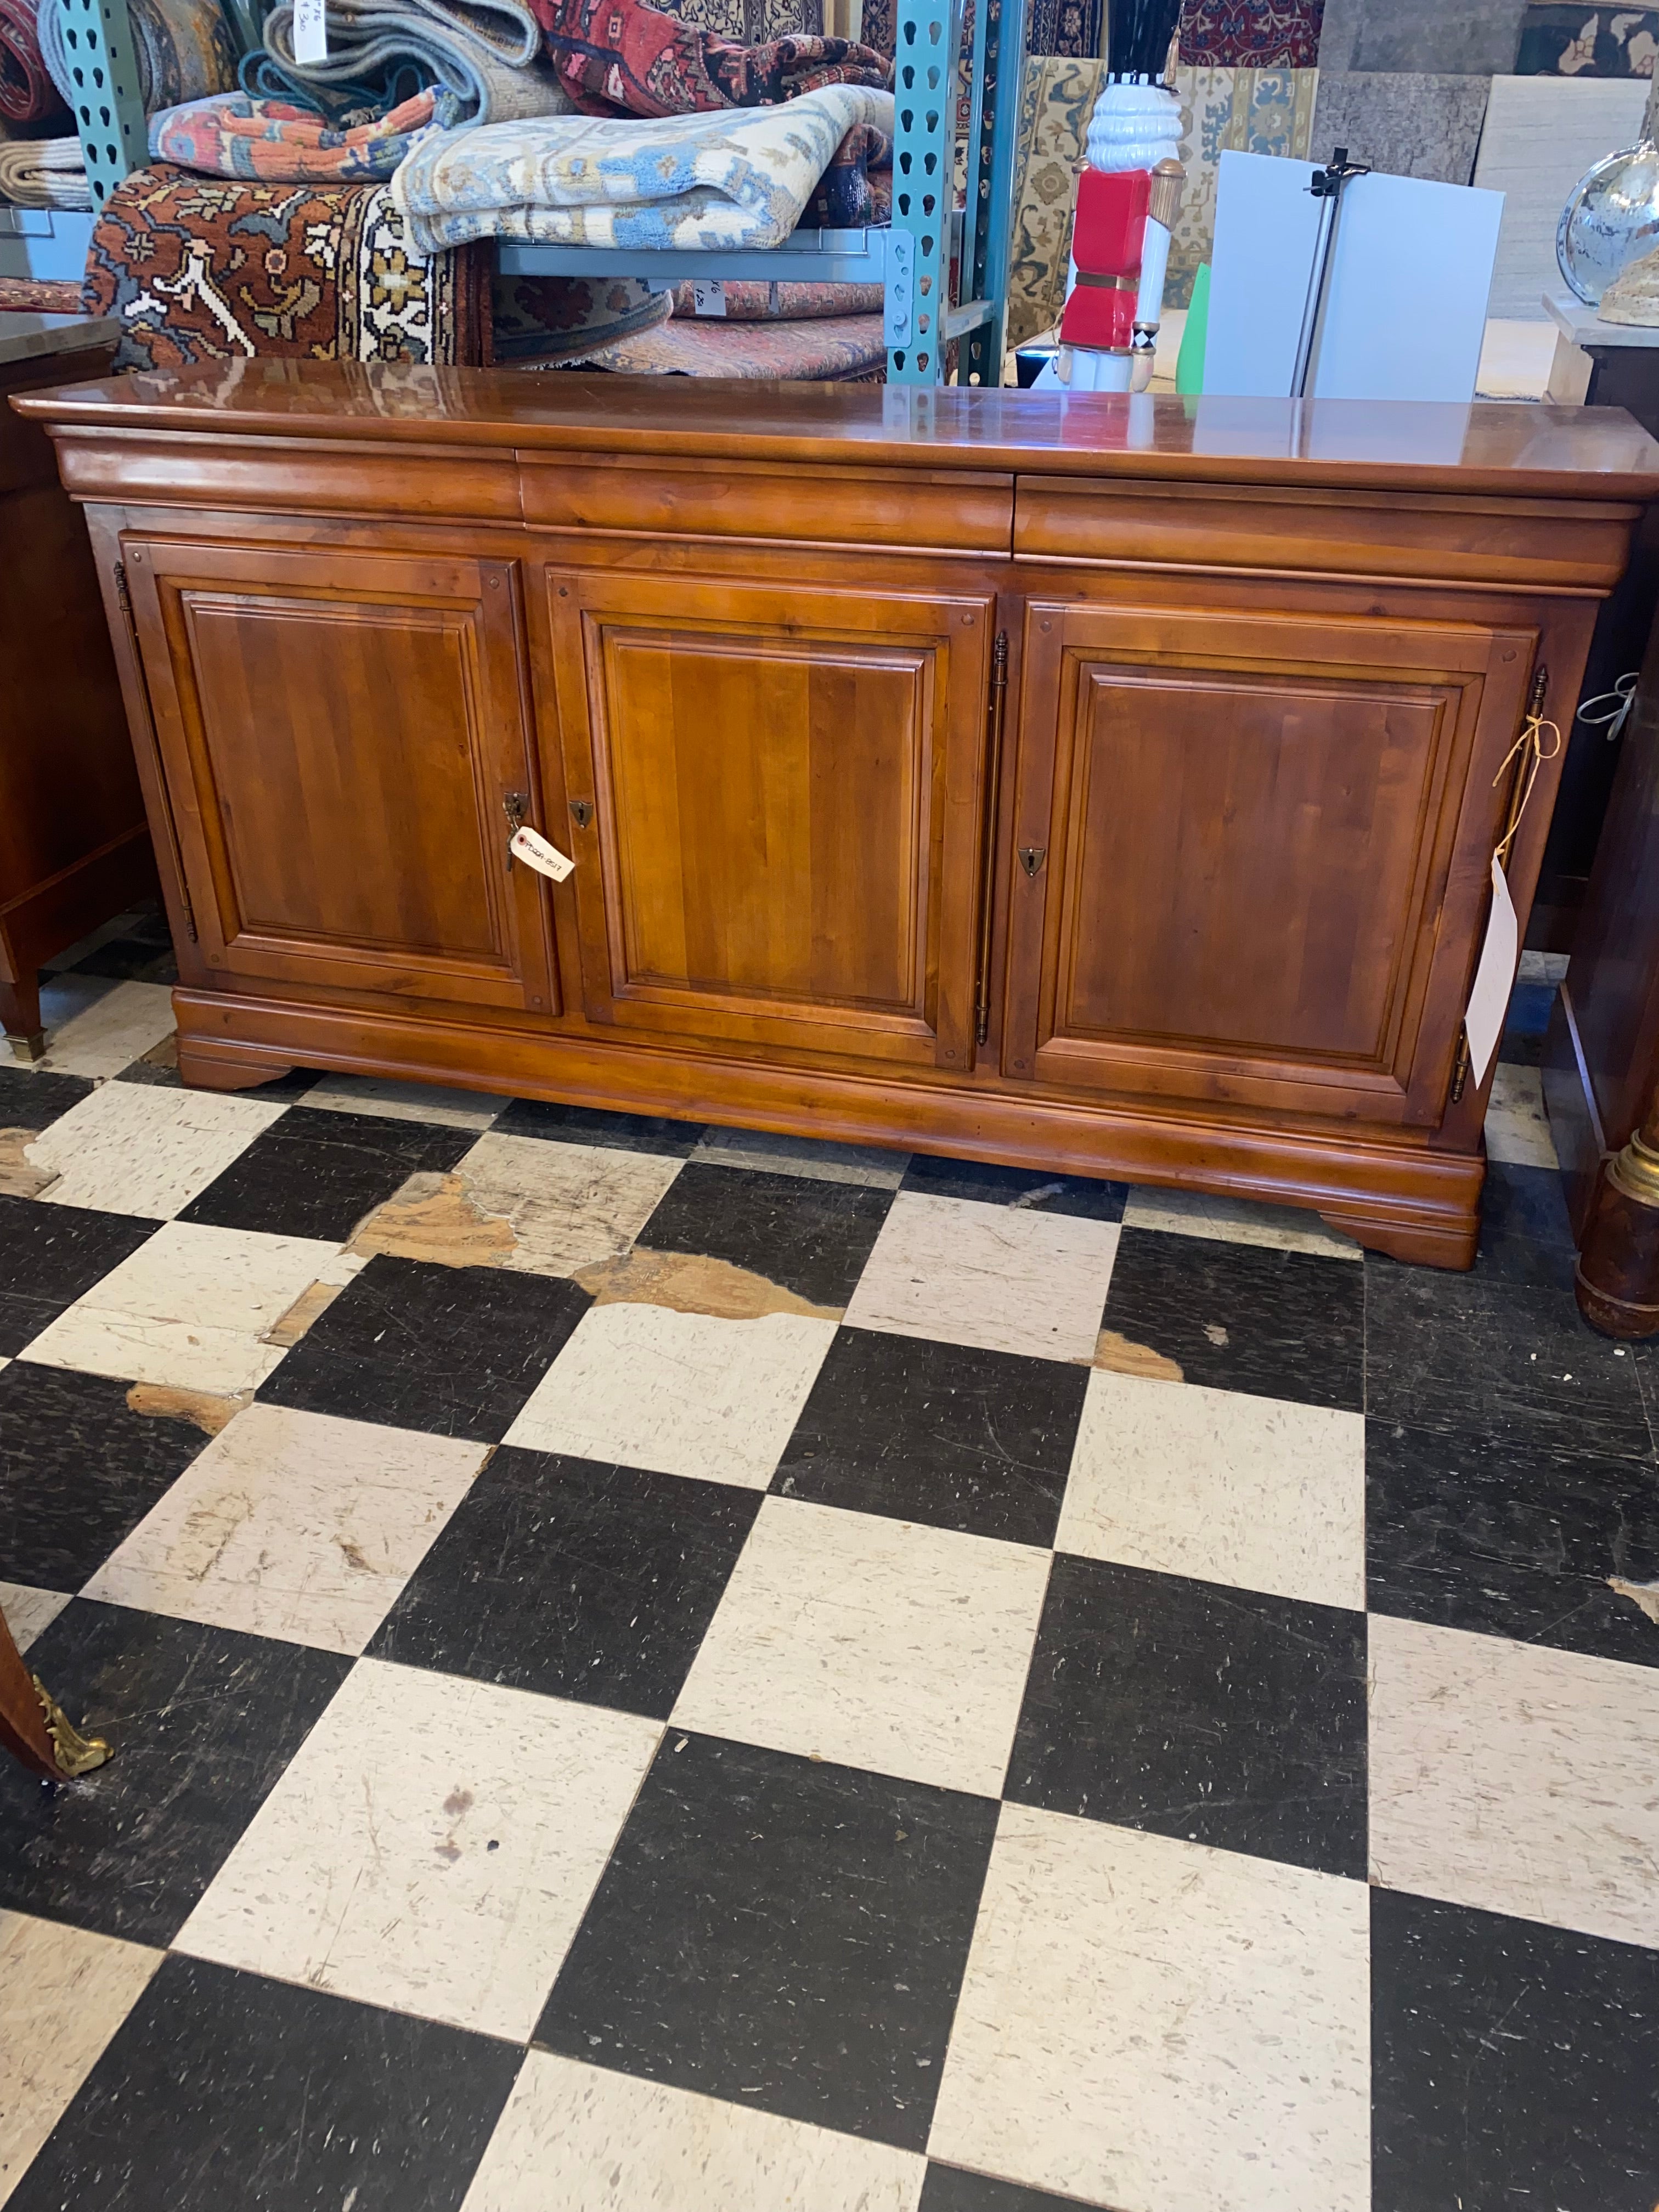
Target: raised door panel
785	795
1255	851
344	735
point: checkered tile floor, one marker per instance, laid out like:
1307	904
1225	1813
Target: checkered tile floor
654	1667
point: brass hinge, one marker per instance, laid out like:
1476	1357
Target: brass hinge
121	591
995	714
1460	1066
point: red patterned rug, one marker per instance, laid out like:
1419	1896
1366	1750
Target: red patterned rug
39	296
1250	33
622	56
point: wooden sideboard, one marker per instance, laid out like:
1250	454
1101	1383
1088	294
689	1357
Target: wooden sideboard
1107	784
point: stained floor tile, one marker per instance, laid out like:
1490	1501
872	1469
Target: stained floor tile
999	1277
473	1821
596	2142
310	2102
1215	1484
78	1470
1515	1779
1116	1982
455	1350
942	1433
195	1307
147	1152
564	1205
295	1526
314	1175
1031	1189
202	1722
1514	2064
677	1393
1517	1127
573	1578
1278	1324
50	1256
813	1237
877	1643
1222	1716
786	1935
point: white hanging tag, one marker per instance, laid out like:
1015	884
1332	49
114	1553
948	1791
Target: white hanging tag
535	852
1494	977
709	297
310	32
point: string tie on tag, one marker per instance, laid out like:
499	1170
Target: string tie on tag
1530	750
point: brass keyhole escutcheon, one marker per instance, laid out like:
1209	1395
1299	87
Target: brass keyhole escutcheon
581	812
1031	858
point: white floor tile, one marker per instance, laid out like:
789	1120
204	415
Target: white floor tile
569	1205
190	1307
1542	968
1154	2026
93	1028
63	1995
1516	1778
677	1393
293	1525
1236	1221
132	1148
803	1156
404	1102
995	1276
1227	1488
28	1611
1517	1126
580	2140
431	1847
873	1643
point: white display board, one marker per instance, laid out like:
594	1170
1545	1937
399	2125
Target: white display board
1406	302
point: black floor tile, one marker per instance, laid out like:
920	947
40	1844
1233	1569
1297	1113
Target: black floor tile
1513	2064
590	1124
35	1101
221	2088
1525	1234
159	1068
783	1933
1477	1355
1507	1539
811	1237
978	1440
950	2189
318	1174
1091	1199
572	1579
203	1722
1529	1008
49	1255
78	1471
455	1350
1243	1317
135	957
1222	1716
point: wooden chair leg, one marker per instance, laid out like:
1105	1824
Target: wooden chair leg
19	1018
32	1726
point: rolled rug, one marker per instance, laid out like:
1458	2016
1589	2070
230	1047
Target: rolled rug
184	48
27	94
487	53
228	135
623	55
835	349
541	321
43	173
742	301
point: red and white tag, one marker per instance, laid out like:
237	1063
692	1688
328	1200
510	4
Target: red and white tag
534	850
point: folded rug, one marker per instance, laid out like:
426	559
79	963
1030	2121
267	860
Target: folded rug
201	271
743	302
543	321
184	49
740	179
27	92
487	53
43	173
857	187
622	54
840	349
229	134
39	296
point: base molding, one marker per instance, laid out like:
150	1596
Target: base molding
1402	1197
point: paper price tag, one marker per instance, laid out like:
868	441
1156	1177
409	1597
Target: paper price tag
309	30
1483	1024
709	297
536	853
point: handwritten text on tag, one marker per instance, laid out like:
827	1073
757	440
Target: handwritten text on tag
536	853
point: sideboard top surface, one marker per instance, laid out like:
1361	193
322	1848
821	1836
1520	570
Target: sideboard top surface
1518	450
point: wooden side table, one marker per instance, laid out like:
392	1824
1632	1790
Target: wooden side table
74	846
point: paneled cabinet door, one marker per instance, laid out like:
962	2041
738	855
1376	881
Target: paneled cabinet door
1252	852
777	794
345	736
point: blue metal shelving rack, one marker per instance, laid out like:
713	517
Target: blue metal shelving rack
911	259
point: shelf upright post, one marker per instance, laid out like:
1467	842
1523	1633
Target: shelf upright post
924	75
109	106
991	185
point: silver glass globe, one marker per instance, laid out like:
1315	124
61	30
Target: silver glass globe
1611	218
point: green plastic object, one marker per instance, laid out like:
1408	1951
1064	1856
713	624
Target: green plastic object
1189	362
